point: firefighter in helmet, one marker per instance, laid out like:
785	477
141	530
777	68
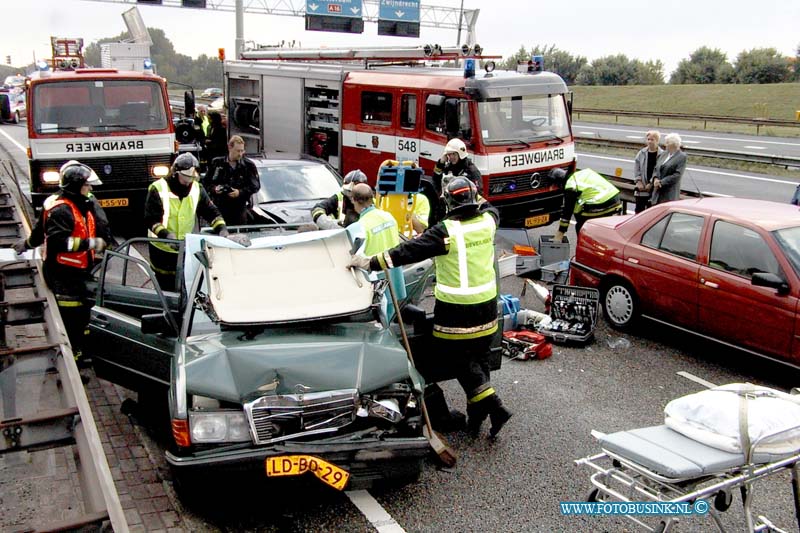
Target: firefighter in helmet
337	211
170	212
587	195
69	226
465	311
456	161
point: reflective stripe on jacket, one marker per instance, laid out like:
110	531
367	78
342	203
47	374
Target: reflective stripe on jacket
381	230
83	229
465	275
592	188
180	214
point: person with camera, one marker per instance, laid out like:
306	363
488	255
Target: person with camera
231	182
170	212
68	225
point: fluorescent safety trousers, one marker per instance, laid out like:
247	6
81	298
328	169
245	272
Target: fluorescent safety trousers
381	231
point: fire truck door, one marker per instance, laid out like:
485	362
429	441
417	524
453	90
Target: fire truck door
407	131
284	117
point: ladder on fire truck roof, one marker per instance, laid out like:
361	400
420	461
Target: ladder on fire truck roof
428	52
67	52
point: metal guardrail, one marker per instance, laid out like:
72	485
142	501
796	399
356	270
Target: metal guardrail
784	161
705	119
46	417
626	188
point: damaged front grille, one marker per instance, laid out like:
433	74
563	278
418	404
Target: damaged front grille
288	416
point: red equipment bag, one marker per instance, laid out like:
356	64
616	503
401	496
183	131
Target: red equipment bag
524	345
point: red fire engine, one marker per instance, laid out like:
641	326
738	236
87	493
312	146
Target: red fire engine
119	123
358	107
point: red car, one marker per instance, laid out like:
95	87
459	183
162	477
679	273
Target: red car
724	268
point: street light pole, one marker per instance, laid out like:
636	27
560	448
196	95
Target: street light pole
460	19
239	29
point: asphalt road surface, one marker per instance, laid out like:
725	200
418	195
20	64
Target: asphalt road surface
710	140
517	482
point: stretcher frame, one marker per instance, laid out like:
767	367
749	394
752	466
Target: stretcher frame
628	481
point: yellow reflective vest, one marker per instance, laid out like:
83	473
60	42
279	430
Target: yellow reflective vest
179	213
381	231
465	275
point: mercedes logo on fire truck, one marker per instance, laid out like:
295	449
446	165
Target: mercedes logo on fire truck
107	170
536	180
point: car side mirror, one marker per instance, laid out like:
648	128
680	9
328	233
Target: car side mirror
768	279
157	323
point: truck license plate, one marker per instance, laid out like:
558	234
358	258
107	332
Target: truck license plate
539	220
114	202
295	465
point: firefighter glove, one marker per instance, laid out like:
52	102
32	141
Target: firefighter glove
21	246
326	222
97	244
359	261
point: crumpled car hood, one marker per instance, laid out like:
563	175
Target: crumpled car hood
226	366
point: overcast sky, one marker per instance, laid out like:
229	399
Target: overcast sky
668	30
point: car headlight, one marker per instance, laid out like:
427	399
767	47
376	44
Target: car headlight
218	426
387	408
160	171
50	177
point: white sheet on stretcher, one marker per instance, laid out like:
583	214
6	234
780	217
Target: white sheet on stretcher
712	418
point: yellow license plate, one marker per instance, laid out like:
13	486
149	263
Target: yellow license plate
539	220
295	465
114	202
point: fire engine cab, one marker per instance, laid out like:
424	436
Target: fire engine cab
119	123
358	107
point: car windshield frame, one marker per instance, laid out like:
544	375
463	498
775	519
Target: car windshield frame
99	106
293	181
522	119
788	240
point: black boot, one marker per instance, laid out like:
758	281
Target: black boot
498	414
443	419
476	414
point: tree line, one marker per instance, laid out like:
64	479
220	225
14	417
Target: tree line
704	65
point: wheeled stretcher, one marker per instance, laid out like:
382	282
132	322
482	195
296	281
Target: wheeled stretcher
659	464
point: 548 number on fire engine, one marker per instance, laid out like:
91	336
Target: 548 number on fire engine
407	149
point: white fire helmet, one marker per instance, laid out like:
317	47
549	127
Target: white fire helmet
456	146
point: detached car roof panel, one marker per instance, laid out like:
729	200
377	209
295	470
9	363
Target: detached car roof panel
279	280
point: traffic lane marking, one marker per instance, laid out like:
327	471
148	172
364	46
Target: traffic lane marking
18	145
374	512
700	136
755	147
755	178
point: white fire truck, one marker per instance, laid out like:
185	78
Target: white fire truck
357	107
117	122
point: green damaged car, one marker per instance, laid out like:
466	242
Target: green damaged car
275	359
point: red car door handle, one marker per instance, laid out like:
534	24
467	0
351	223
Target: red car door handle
633	260
709	284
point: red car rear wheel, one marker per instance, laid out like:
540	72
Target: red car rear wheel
620	304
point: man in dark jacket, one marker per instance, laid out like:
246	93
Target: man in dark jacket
231	182
69	226
170	212
465	312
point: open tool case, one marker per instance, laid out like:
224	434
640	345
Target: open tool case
574	313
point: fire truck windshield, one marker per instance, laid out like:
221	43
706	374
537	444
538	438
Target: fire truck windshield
522	119
98	106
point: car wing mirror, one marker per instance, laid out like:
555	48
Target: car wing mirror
768	279
157	323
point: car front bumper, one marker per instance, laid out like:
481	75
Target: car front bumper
366	461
